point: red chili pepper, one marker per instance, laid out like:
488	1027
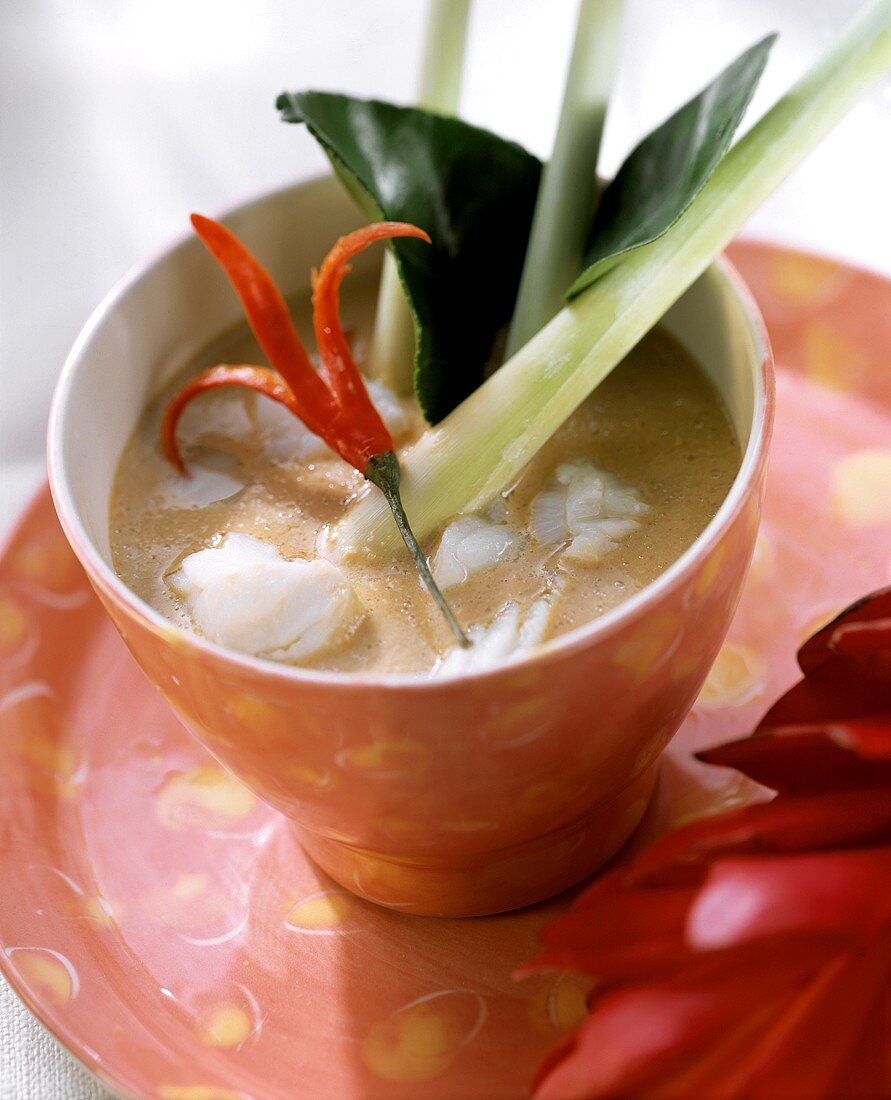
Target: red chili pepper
270	322
260	379
338	365
334	403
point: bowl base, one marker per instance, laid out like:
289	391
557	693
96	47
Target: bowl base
494	882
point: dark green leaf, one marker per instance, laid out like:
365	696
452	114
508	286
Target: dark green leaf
473	192
669	168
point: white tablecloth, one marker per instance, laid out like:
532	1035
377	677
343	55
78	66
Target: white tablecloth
120	118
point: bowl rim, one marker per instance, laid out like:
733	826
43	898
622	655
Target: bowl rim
103	576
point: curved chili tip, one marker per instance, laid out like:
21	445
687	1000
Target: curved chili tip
350	244
338	366
259	379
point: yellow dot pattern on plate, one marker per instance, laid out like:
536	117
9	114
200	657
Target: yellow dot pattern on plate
92	908
736	677
203	797
226	1026
318	912
803	279
45	973
418	1042
830	358
49	564
557	1005
567	1002
50	757
189	886
861	488
32	735
13	627
193	905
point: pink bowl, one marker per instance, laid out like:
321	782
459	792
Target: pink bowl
455	796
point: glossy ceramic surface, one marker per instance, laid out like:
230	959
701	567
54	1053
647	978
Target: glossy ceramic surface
164	923
449	796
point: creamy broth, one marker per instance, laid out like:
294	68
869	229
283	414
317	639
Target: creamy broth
656	422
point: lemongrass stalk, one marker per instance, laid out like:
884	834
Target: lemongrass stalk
568	189
392	351
460	464
439	86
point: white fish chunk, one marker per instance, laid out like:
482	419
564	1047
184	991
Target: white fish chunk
283	436
204	485
510	634
233	551
221	413
244	595
468	545
547	517
588	509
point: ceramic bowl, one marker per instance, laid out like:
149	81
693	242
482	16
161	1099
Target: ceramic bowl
449	796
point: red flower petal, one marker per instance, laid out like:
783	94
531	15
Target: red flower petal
637	1036
869	738
867	1072
833	820
640	1036
806	759
747	956
808	1050
823	645
867	643
839	690
749	898
625	938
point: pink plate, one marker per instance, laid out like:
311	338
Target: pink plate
165	925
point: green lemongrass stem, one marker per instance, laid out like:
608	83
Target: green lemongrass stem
392	351
442	67
568	192
465	460
383	471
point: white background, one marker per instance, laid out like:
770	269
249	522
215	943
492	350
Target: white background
121	116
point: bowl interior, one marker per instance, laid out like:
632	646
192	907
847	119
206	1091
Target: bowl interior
172	306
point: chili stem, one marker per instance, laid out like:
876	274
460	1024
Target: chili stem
383	471
392	352
568	194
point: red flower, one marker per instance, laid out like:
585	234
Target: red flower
748	955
